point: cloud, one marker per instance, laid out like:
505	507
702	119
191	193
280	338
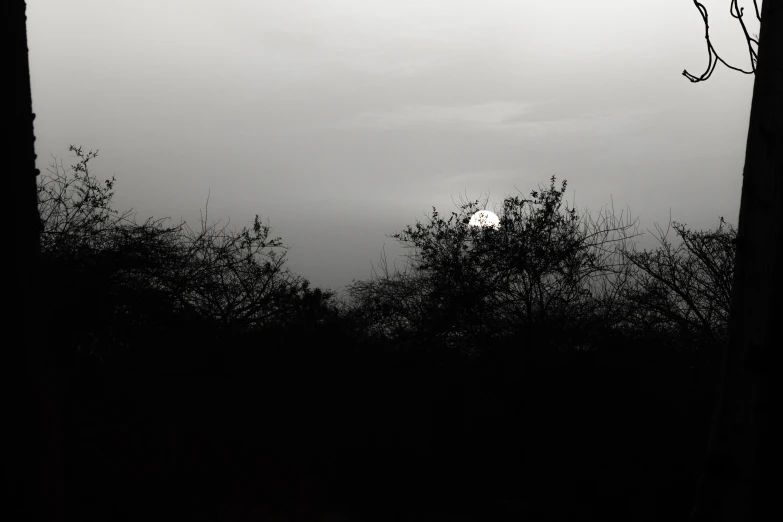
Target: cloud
539	118
476	116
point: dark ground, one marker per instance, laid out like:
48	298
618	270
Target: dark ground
611	435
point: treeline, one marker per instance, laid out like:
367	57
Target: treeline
495	353
548	278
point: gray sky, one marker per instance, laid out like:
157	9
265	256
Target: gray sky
342	121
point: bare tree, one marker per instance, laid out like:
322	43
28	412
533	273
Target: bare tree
137	276
237	277
736	481
540	266
752	41
685	291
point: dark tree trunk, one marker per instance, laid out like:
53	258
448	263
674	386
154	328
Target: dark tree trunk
737	479
33	464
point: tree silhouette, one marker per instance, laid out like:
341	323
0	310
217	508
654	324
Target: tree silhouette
752	41
137	280
734	484
34	469
685	291
464	286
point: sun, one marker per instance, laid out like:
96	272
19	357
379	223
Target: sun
484	218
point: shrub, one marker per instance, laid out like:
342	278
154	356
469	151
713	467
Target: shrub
465	285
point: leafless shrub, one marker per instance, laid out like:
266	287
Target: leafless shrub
684	290
540	267
124	276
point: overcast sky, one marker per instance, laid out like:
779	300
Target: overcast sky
342	121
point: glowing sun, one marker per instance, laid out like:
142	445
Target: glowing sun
484	218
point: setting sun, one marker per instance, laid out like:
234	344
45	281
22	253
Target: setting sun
484	218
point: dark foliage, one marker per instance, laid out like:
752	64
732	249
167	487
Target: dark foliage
542	369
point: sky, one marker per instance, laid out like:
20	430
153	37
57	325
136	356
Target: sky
343	121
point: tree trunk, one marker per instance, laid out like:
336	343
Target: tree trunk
34	464
736	482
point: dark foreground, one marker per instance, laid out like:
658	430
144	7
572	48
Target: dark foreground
611	435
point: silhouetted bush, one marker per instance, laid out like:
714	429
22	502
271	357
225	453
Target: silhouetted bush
545	280
124	287
465	285
684	292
